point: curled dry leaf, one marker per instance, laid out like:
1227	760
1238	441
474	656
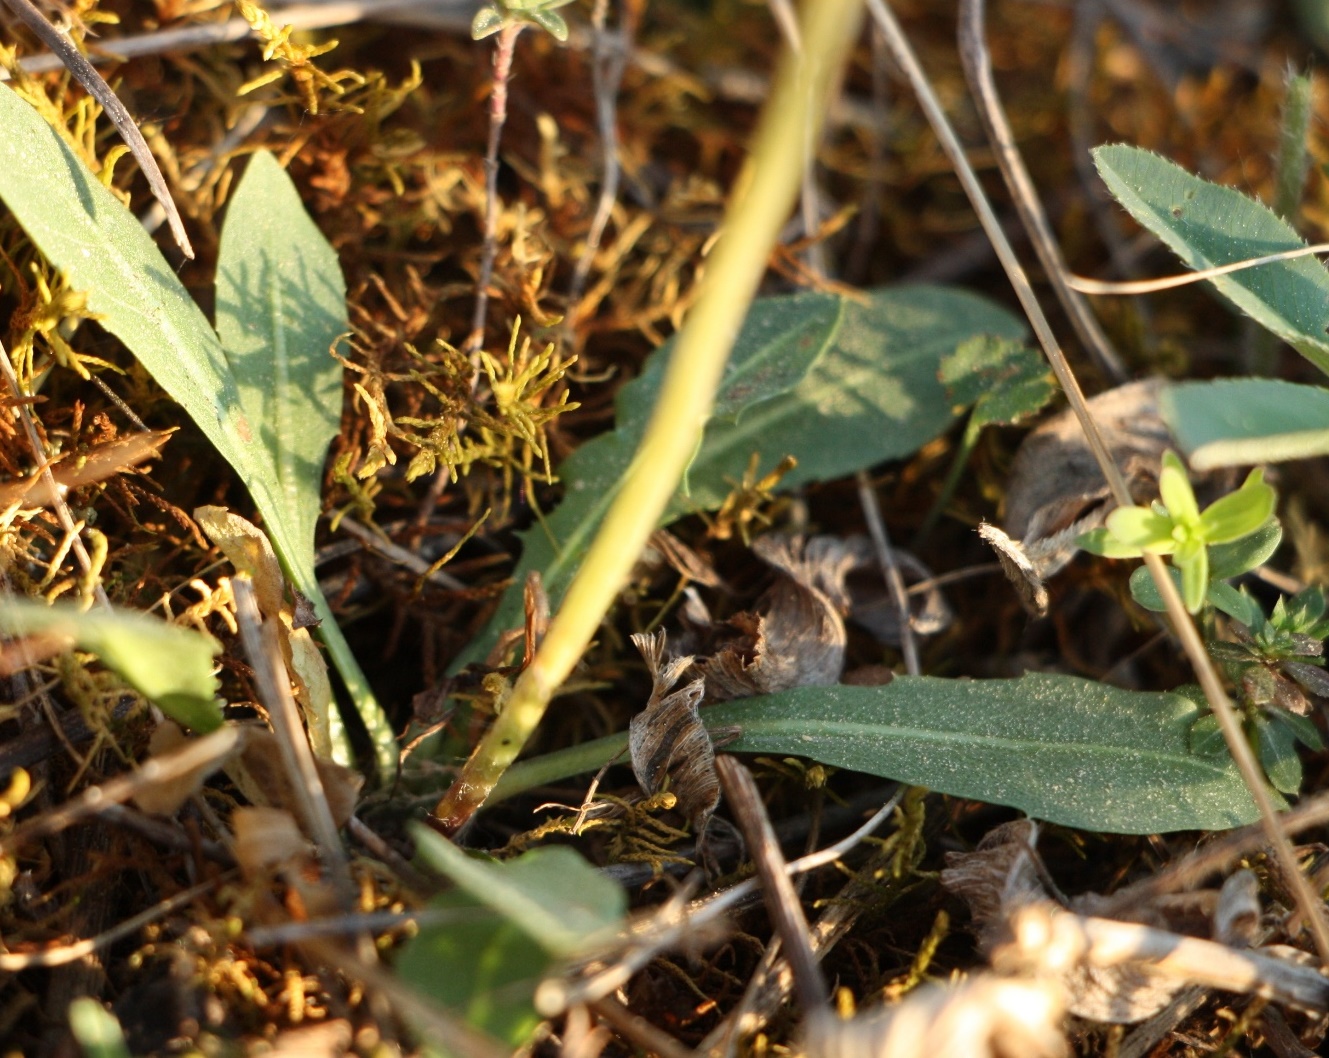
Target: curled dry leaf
870	603
248	549
262	777
986	1017
687	563
667	739
1112	971
85	468
797	639
1056	490
266	839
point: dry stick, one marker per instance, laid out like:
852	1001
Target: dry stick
91	80
978	72
1181	279
881	543
607	65
210	751
637	1030
1307	902
63	954
759	205
504	47
274	690
24	413
791	925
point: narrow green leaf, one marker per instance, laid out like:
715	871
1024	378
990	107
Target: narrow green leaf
552	894
1062	749
1192	559
86	232
167	664
1208	225
1101	542
870	393
281	307
1239	421
1174	489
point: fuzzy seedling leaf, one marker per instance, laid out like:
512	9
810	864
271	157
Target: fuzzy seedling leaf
867	391
1062	749
291	274
167	664
1208	225
1236	421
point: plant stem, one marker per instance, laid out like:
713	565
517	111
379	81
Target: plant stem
761	200
504	47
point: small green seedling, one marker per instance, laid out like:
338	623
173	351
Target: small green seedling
1174	525
494	16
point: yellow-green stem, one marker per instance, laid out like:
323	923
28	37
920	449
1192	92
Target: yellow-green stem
760	204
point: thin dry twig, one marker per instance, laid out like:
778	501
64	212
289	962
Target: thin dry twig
274	688
881	543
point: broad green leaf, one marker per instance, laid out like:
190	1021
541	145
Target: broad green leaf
1062	749
1221	595
1006	381
552	894
86	232
1141	529
167	664
1238	514
1208	225
281	307
480	965
871	393
1239	421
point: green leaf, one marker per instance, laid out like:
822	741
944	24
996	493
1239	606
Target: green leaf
552	23
1141	529
1005	380
1192	559
83	230
480	965
1208	225
1302	727
1174	489
96	1029
1277	749
870	393
1101	542
487	22
1206	737
552	894
1250	552
1238	514
167	664
1239	421
1062	749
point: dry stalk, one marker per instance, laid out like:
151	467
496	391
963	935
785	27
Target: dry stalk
274	689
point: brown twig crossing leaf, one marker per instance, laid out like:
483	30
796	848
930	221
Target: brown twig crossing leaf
667	740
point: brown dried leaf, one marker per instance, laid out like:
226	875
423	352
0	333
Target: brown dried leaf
667	739
248	549
262	777
999	875
266	839
683	560
798	639
873	607
165	796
